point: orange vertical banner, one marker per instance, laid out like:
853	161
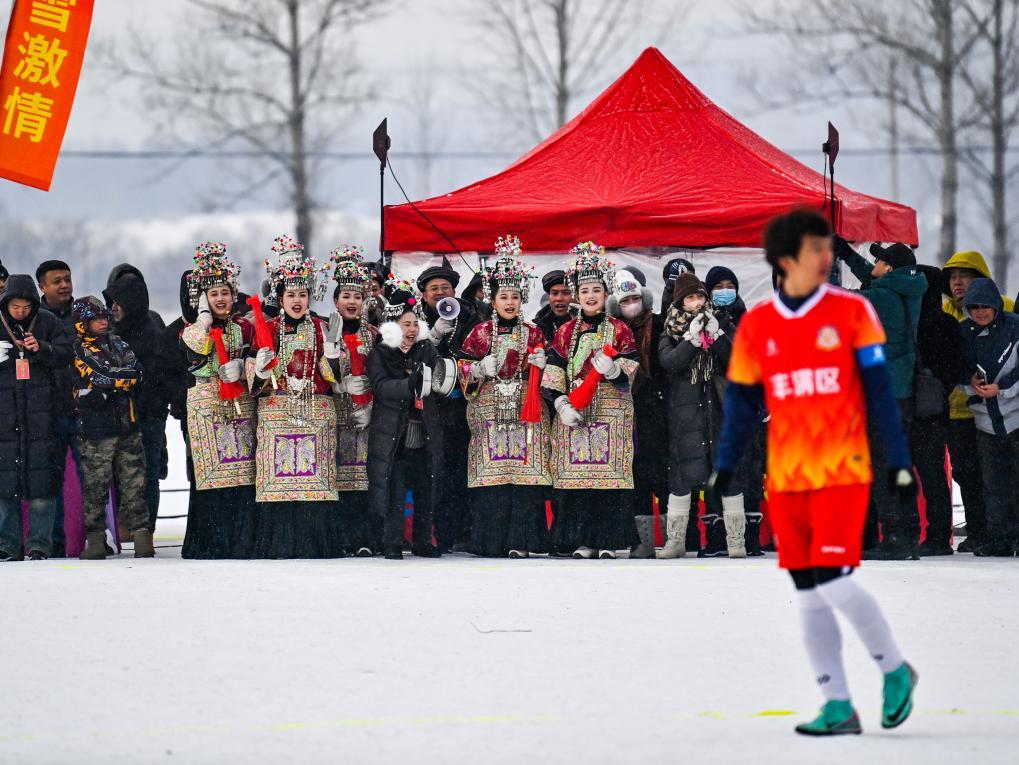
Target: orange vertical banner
43	53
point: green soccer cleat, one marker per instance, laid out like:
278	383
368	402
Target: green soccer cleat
837	718
898	695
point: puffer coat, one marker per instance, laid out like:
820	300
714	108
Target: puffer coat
694	407
30	460
388	368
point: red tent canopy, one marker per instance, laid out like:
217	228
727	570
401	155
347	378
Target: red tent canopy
650	163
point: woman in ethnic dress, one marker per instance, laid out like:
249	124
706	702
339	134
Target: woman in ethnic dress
362	530
592	446
221	437
508	459
295	483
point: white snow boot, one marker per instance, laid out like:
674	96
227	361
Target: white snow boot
676	521
606	554
585	552
646	532
735	526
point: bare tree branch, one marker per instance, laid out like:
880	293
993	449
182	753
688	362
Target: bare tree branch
258	81
542	55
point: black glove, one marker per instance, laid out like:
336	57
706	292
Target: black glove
902	484
417	377
841	247
716	487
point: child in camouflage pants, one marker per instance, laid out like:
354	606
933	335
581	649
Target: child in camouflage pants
110	443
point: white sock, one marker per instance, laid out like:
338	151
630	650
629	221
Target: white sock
823	640
863	612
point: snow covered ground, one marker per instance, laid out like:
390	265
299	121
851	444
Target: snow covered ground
464	660
470	660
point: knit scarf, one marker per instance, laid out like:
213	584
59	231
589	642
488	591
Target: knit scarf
677	322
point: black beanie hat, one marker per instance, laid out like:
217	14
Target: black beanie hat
720	274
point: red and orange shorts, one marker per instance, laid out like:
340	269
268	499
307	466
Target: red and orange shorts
820	528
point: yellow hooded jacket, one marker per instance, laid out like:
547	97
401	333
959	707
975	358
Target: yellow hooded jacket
958	410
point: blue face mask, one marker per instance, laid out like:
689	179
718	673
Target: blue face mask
723	297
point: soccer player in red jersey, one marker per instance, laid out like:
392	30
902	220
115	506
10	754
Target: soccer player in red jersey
814	356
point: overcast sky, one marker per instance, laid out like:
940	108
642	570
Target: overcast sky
706	48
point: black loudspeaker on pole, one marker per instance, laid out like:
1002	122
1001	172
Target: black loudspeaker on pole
831	151
380	145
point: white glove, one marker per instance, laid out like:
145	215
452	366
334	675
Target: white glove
442	328
362	417
694	338
571	417
231	371
263	359
538	358
489	366
334	332
5	350
204	312
331	351
355	385
711	326
608	367
697	324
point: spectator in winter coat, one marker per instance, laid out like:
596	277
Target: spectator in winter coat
990	338
895	288
127	271
4	274
405	442
694	352
940	349
634	304
723	287
128	301
452	520
111	444
557	312
670	273
54	280
473	293
959	273
34	347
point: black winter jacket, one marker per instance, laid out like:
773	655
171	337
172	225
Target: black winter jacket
144	336
695	409
549	323
65	378
107	373
389	370
938	338
30	460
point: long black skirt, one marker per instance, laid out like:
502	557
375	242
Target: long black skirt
216	518
359	527
284	530
508	518
601	519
